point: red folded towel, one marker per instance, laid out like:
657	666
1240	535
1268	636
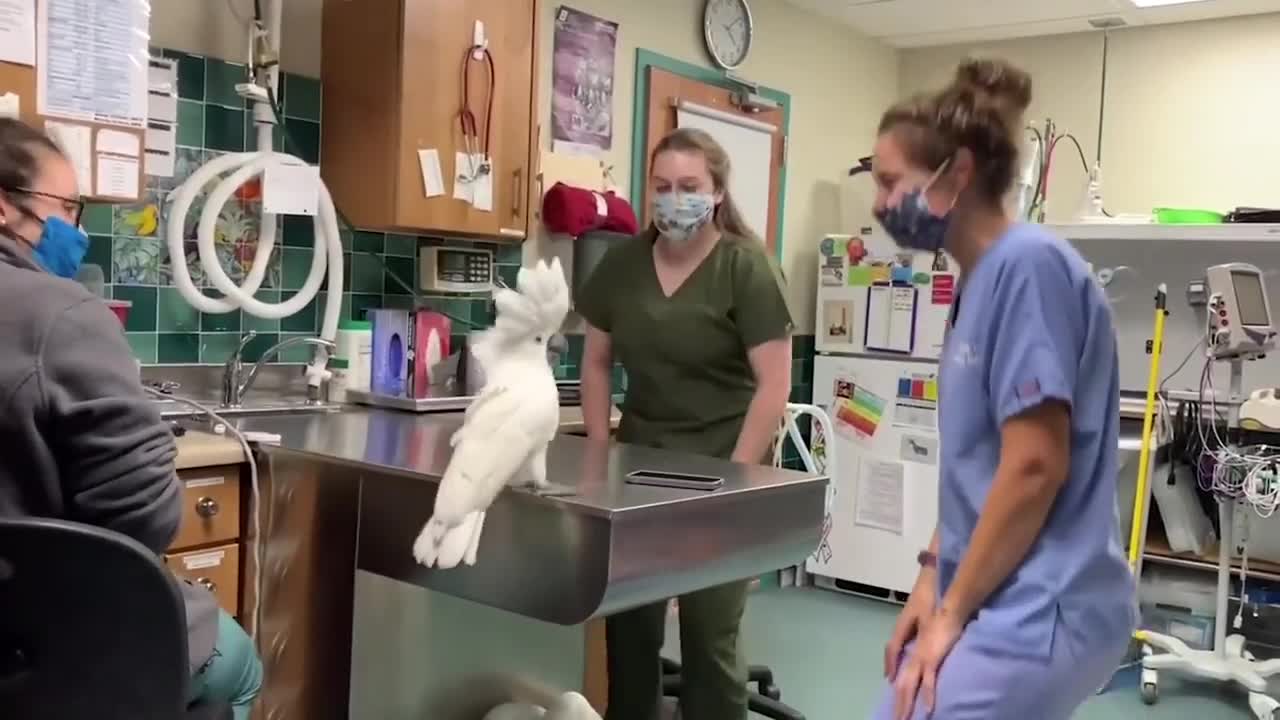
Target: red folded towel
575	210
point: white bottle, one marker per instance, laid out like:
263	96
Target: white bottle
339	379
355	345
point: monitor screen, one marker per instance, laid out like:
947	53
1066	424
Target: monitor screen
1250	302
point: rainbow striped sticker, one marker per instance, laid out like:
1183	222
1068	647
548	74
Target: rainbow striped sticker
860	413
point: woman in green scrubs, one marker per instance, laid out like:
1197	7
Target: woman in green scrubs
695	310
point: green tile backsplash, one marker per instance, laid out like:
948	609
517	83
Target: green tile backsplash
127	240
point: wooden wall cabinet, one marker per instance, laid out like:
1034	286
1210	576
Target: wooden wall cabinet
392	76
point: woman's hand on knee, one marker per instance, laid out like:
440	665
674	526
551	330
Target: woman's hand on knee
919	607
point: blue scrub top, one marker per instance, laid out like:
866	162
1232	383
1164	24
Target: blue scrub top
1031	325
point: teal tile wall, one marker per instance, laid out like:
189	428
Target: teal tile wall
127	241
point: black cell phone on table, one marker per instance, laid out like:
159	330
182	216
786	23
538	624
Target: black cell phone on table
681	481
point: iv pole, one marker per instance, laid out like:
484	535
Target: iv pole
1228	661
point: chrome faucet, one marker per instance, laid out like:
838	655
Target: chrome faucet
234	386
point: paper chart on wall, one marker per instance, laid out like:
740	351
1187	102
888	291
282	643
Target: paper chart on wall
916	403
92	61
857	410
881	495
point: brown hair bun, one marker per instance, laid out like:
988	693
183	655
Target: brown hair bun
980	111
998	81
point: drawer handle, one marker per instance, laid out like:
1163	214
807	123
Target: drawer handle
207	584
517	202
207	507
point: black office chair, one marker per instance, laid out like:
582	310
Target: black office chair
91	626
766	701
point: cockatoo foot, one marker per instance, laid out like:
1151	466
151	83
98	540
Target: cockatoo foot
553	490
427	547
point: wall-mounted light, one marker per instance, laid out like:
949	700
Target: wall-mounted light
1161	3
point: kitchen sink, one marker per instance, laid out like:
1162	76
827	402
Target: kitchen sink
171	409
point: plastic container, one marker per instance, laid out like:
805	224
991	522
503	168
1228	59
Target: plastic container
355	345
1183	216
1194	629
339	380
120	308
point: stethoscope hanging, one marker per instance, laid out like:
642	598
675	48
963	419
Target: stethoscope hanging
474	143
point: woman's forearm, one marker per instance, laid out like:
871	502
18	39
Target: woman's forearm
761	425
1015	512
597	401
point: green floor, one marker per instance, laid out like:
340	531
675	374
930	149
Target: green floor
825	651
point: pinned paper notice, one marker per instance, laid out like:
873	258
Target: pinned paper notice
463	177
432	175
18	32
482	188
76	141
881	496
291	188
119	143
118	177
10	106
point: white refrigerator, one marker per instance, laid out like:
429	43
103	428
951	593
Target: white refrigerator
881	317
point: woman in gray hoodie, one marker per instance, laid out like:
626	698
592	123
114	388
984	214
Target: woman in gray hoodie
82	442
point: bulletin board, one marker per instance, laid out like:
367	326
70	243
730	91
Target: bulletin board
21	80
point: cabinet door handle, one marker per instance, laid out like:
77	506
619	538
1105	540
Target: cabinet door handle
206	507
517	202
208	584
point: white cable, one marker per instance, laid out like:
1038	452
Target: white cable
1247	474
255	513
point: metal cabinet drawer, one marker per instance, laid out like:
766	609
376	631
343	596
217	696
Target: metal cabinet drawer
217	569
210	506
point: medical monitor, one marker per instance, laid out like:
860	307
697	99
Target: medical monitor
1239	320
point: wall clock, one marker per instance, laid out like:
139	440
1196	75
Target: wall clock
728	31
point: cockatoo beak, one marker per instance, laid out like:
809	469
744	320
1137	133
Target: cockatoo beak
558	344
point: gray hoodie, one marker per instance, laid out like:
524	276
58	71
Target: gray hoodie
81	440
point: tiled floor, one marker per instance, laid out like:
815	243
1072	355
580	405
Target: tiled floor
825	648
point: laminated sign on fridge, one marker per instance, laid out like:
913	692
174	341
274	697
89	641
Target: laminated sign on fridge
858	410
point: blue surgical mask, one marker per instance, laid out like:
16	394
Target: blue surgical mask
912	225
678	216
61	248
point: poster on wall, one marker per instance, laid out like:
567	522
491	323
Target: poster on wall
582	85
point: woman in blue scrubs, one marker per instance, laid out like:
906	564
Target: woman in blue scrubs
1024	604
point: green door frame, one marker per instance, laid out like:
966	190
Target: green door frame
646	59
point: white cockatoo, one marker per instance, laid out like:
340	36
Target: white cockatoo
504	435
569	706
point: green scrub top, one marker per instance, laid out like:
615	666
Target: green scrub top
689	381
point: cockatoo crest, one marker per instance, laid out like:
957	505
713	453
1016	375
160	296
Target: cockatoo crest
532	312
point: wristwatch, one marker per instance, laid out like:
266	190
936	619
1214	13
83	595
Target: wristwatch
927	559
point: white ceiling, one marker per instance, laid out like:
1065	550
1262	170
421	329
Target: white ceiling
917	23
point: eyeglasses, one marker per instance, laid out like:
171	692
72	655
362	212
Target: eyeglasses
73	206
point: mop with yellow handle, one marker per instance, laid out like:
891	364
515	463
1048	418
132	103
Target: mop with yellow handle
1142	494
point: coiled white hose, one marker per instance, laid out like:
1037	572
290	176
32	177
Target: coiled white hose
242	167
327	255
